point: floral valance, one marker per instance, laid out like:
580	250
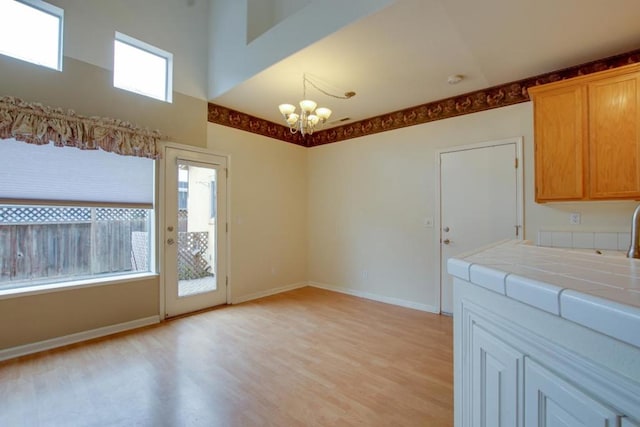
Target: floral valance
38	124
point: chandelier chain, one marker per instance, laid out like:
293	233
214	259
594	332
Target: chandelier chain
307	80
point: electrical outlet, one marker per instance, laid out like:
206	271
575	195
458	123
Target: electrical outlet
574	218
365	274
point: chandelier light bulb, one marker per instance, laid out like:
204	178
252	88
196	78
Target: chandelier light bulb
292	118
323	112
307	105
286	109
313	119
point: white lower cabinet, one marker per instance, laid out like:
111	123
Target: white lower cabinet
496	380
550	401
510	376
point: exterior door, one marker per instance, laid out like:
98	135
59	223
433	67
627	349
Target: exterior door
480	202
195	231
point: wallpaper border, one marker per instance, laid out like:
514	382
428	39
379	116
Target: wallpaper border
473	102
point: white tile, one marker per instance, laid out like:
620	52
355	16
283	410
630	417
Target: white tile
488	277
624	240
561	239
607	241
600	311
544	238
458	268
538	294
582	240
604	278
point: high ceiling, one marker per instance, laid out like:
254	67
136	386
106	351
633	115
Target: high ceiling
401	55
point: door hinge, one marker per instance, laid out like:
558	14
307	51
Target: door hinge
226	227
517	230
516	163
226	281
226	170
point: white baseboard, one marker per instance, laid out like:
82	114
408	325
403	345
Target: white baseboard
268	292
36	347
376	297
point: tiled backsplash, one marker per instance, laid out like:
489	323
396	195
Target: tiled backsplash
584	240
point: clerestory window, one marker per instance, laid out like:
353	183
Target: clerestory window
31	31
141	68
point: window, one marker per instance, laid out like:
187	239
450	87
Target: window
69	214
31	30
141	68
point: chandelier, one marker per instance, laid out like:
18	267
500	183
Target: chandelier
311	116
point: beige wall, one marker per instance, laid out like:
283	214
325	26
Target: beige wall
34	318
368	198
324	214
268	210
88	90
180	27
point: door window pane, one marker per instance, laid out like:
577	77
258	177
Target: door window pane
196	229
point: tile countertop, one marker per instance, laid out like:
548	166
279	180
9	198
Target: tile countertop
599	291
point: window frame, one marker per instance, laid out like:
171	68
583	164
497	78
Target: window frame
50	282
153	50
55	11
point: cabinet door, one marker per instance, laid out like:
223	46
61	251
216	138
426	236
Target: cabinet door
614	137
496	381
550	401
560	143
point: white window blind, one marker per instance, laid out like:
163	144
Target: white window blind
32	173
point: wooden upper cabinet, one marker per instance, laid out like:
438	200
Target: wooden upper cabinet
614	137
560	120
587	137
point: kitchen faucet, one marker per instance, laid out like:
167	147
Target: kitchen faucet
634	247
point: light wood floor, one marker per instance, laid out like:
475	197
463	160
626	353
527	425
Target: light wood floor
308	357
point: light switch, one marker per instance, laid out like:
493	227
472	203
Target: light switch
428	222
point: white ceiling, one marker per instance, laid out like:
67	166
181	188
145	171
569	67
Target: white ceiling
401	56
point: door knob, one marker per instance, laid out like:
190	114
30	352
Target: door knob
170	241
446	241
446	229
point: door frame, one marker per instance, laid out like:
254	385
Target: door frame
437	235
160	226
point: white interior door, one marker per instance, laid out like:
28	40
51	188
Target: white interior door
480	202
195	227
